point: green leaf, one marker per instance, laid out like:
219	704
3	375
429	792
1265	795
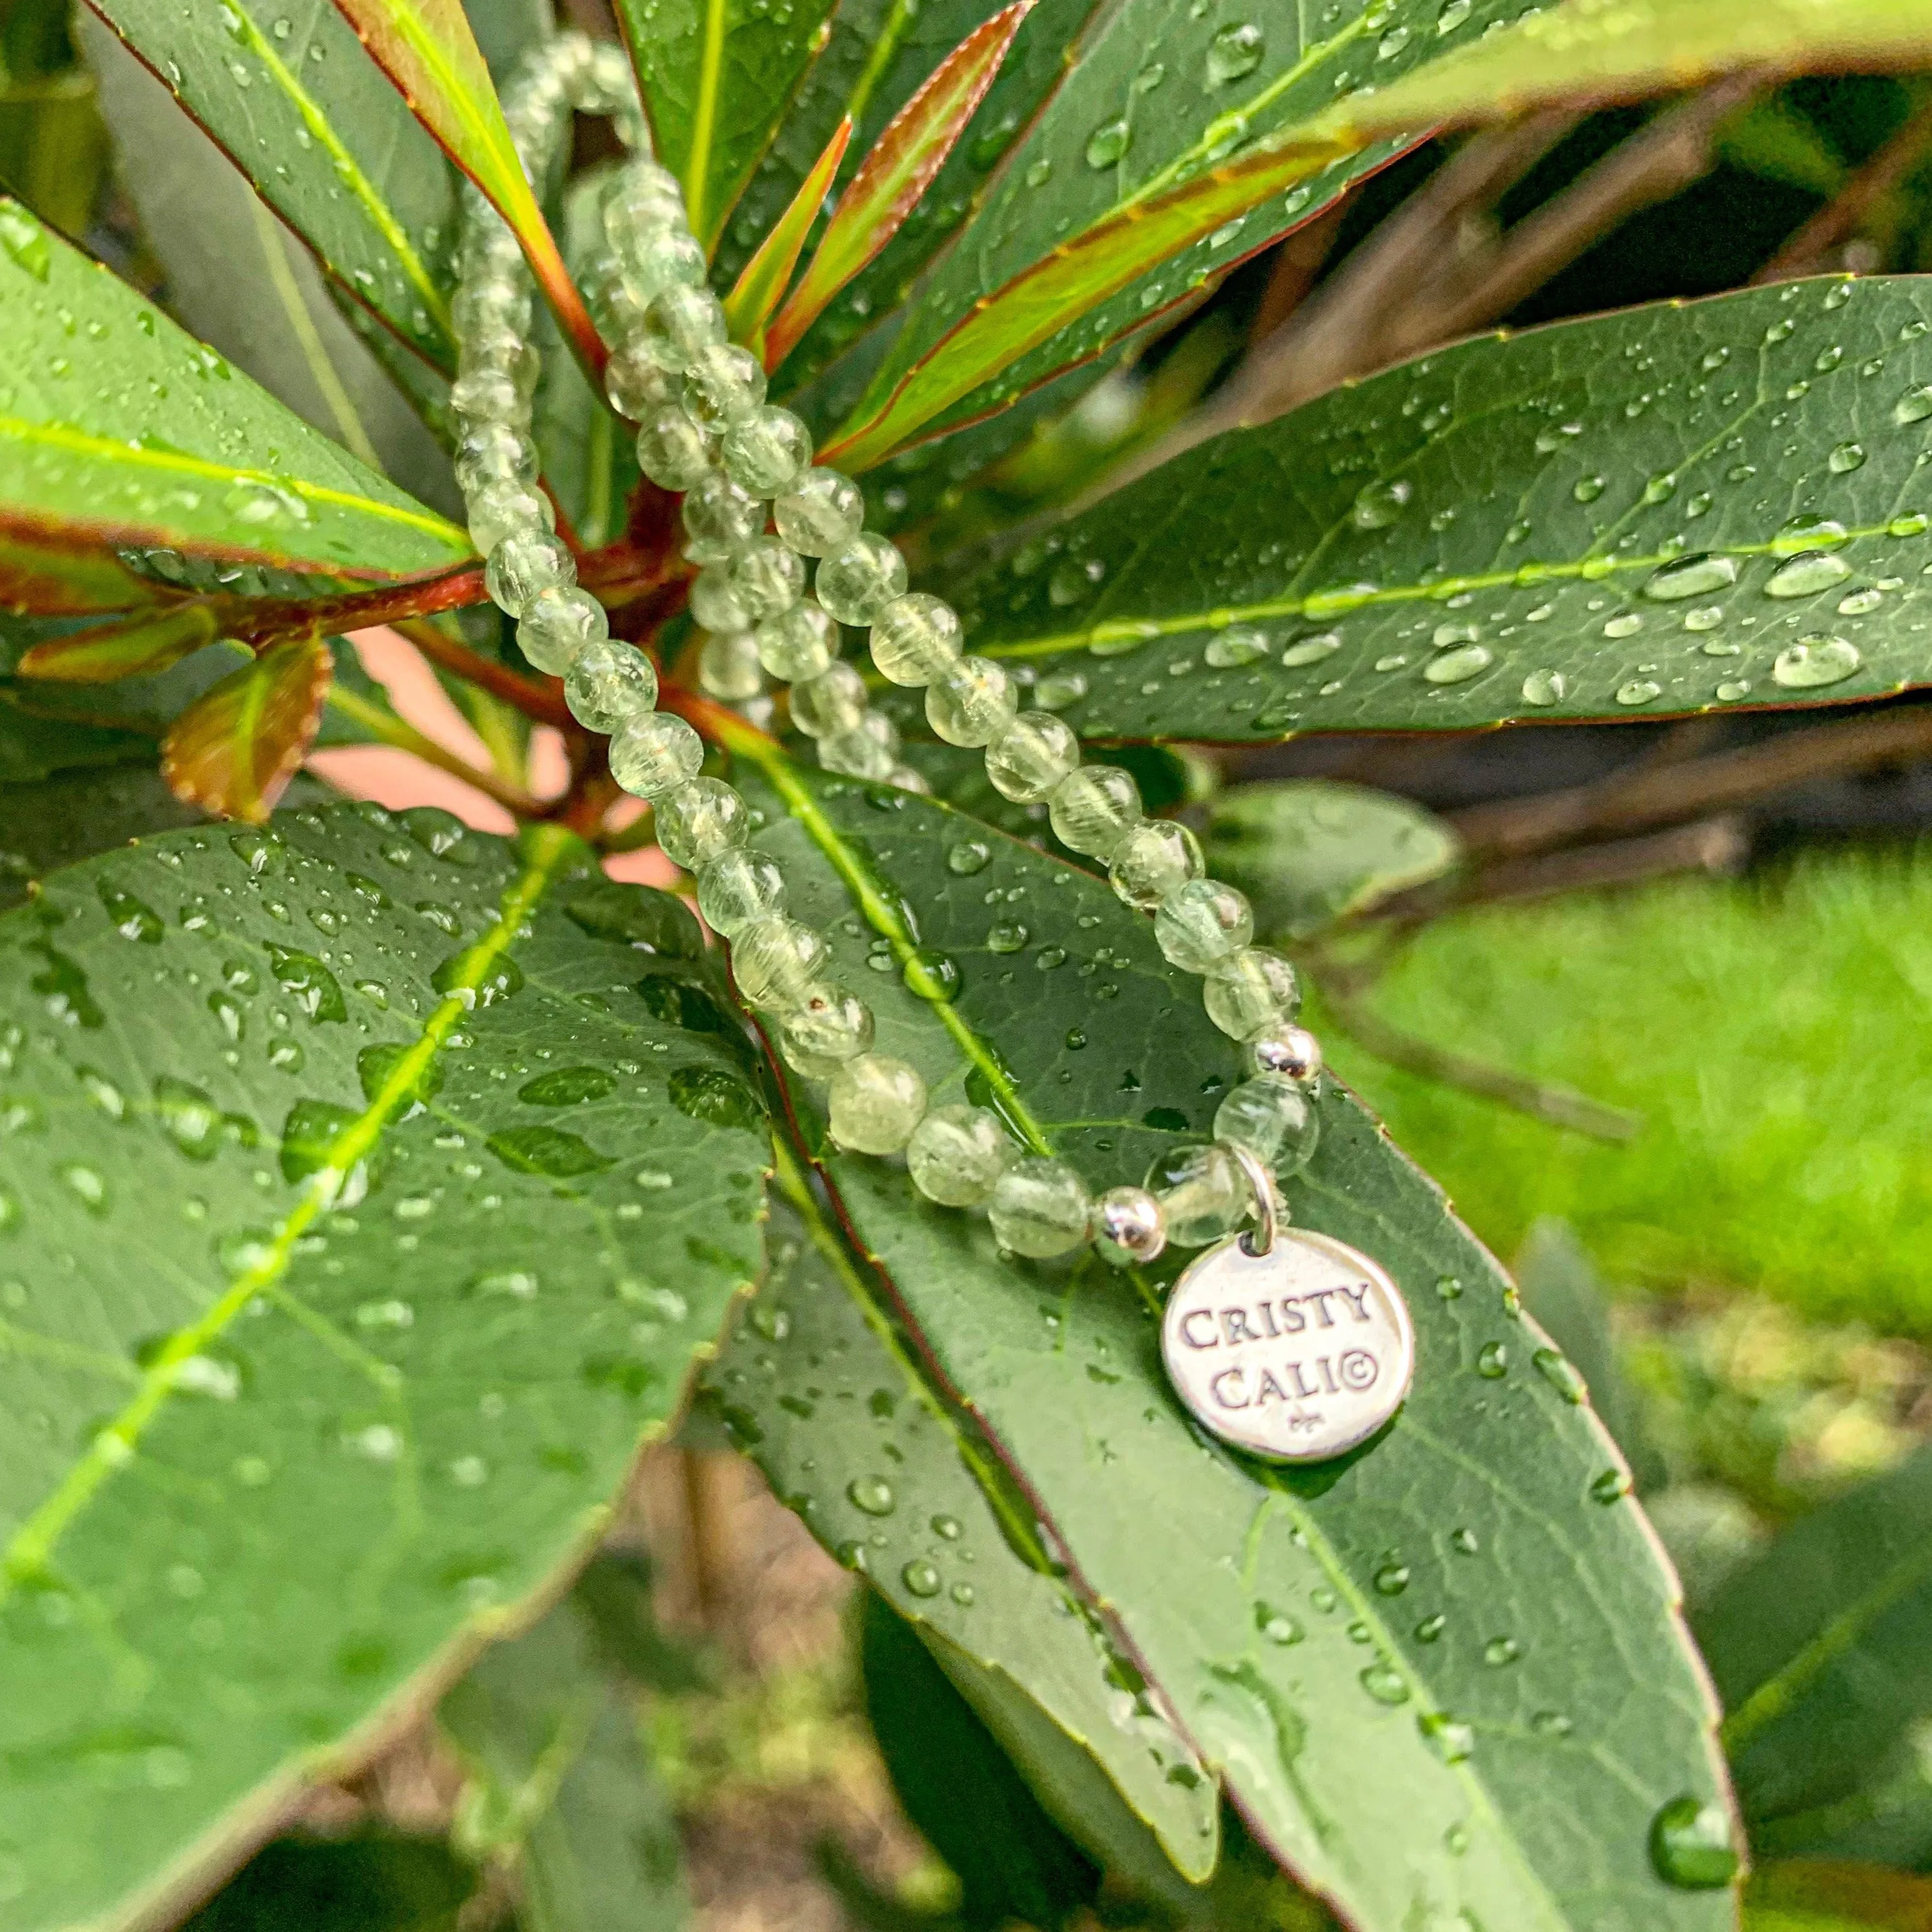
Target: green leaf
47	578
1816	1644
1599	50
1310	851
234	750
367	1883
1289	1618
1142	110
118	429
761	287
1801	1896
829	1397
717	76
561	1793
73	815
1676	508
103	653
339	1294
244	284
896	173
327	144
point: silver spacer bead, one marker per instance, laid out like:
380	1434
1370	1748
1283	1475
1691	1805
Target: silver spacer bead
1292	1051
1129	1227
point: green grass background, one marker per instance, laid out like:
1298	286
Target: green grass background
1774	1032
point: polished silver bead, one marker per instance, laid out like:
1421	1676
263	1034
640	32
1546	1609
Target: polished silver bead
1292	1051
1129	1227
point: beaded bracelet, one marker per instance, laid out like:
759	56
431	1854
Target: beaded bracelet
706	431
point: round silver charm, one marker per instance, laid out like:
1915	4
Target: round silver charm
1296	1353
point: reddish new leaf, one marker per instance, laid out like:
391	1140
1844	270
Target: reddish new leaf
1077	277
233	751
41	578
896	173
767	275
130	648
428	48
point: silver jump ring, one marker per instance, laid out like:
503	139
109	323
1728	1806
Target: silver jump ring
1267	1204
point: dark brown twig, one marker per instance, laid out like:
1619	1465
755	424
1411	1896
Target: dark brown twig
543	702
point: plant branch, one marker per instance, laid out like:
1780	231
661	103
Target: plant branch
1629	802
389	729
1816	245
541	701
1561	1106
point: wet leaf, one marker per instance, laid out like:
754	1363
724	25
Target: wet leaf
305	114
119	430
1681	507
1310	851
1481	1561
303	1444
1598	50
73	815
717	76
234	750
128	649
766	276
562	1794
1803	1896
50	579
828	1395
895	174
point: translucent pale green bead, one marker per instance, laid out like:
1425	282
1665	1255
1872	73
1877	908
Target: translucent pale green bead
1040	1207
856	753
655	264
634	219
856	581
909	778
701	820
827	1027
488	396
724	384
728	667
719	518
497	349
1031	756
672	450
832	702
1252	988
636	387
488	302
1155	860
1093	809
1202	922
766	452
521	566
653	753
775	960
680	321
797	643
713	601
767	578
1202	1192
1275	1119
494	455
738	889
916	638
957	1154
500	510
971	702
821	513
639	183
609	683
559	627
875	1103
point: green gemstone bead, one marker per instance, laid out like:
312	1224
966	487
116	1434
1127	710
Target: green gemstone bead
1275	1119
1202	1192
722	386
1031	756
559	627
957	1155
714	603
1254	987
775	960
824	510
857	754
719	519
875	1103
500	510
797	643
858	579
916	638
971	702
610	682
655	753
728	667
1093	809
767	578
520	567
492	455
1040	1207
738	889
1156	859
636	387
827	1027
1201	923
681	321
701	820
832	702
672	450
767	452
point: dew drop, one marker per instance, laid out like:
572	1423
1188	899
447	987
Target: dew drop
1690	1844
1807	573
1915	406
1458	665
1276	1626
1451	1740
1384	1683
1544	688
921	1577
1493	1360
1638	691
1561	1374
1235	51
1500	1651
1430	1628
1684	577
1377	504
1848	456
1008	935
968	856
1626	625
1108	142
1815	660
1238	646
872	1494
1588	489
1311	649
1392	1578
931	974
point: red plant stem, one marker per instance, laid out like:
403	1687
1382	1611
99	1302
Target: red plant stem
542	700
547	264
